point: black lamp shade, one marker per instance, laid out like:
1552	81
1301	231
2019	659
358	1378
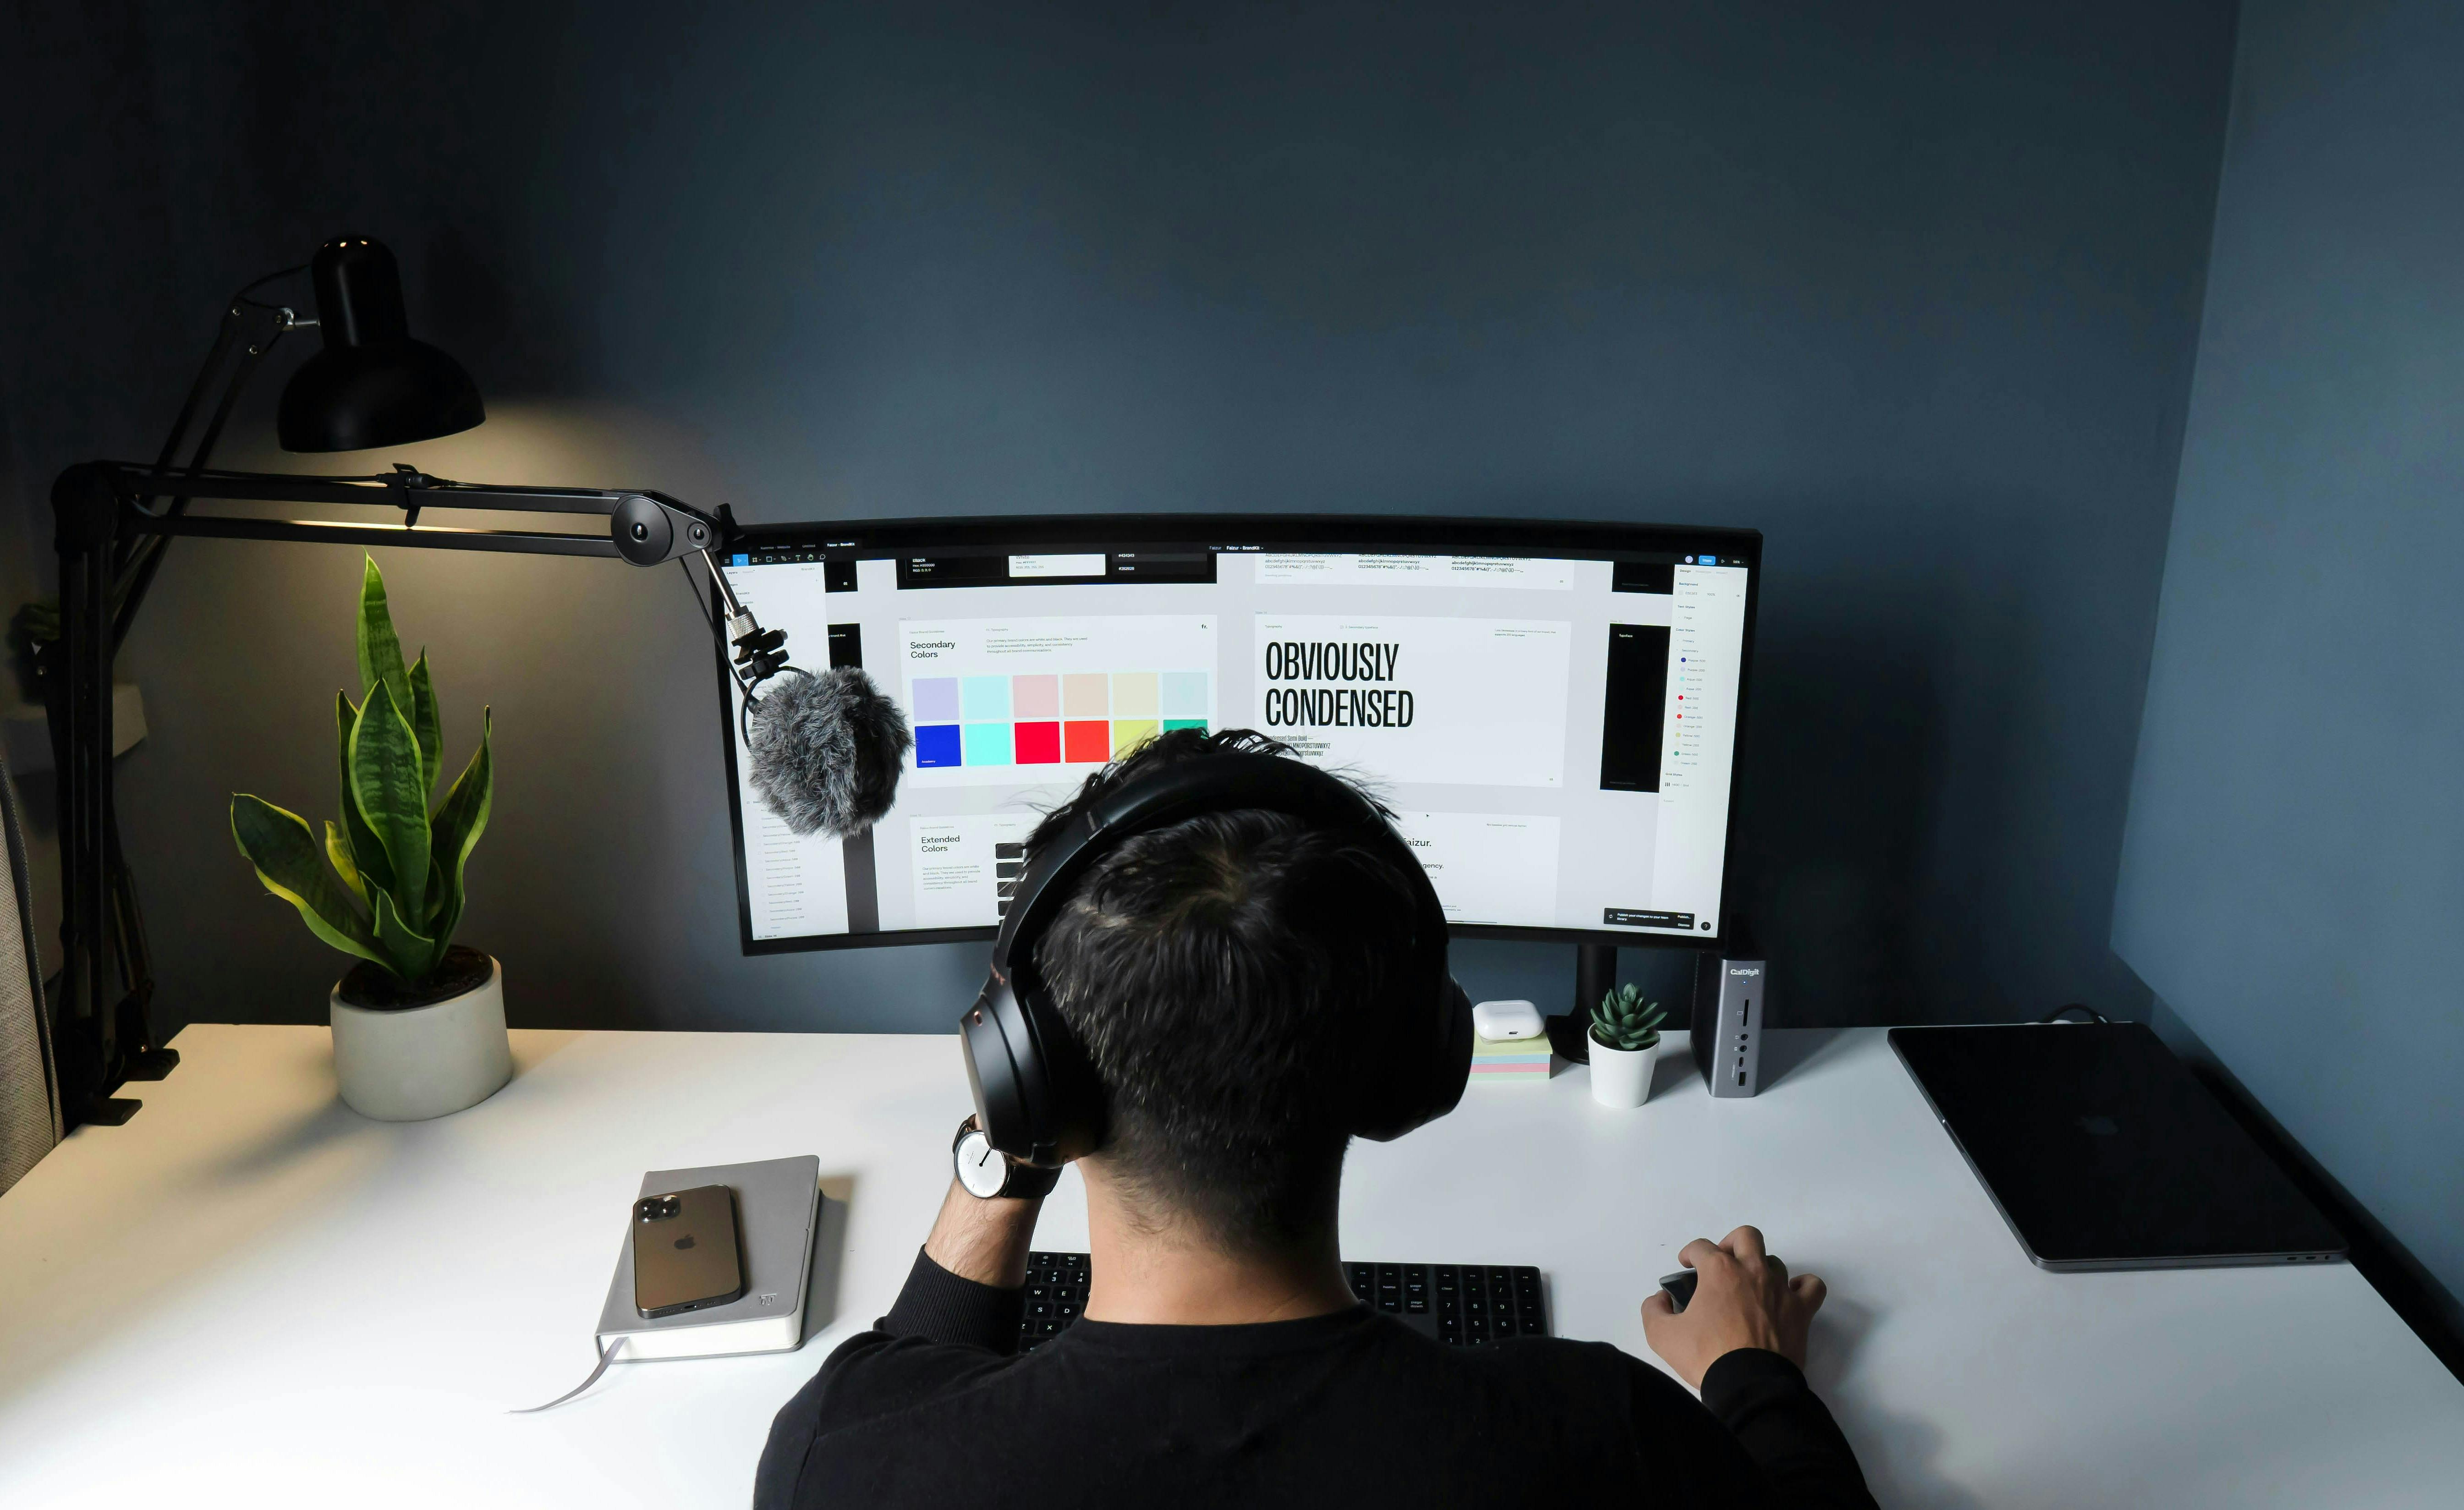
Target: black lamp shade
372	385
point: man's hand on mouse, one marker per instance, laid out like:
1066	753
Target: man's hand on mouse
1742	1298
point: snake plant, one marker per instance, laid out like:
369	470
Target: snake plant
393	893
1625	1020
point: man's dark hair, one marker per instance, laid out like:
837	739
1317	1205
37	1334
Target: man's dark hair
1230	976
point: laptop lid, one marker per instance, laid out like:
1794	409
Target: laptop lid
2102	1152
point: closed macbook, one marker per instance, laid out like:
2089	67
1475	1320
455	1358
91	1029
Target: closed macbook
2102	1152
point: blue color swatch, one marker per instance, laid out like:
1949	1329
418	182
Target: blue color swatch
935	744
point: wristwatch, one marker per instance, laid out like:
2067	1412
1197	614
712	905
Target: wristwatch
988	1174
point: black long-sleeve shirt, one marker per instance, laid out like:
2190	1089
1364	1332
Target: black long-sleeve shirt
935	1408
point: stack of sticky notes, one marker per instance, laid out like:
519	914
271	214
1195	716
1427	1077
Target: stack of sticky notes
1509	1061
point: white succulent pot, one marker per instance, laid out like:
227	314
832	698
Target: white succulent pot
410	1063
1621	1077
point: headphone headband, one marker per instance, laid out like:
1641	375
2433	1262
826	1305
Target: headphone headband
1234	780
1037	1095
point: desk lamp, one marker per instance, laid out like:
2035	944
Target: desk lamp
371	385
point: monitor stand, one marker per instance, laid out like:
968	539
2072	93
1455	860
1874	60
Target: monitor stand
1595	978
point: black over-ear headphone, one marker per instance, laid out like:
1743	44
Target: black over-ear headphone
1037	1095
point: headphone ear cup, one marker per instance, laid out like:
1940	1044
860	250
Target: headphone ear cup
1453	1070
1080	1111
1003	1074
1427	1082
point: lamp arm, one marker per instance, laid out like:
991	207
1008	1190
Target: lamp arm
136	558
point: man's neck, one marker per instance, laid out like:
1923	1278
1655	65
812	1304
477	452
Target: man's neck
1168	1276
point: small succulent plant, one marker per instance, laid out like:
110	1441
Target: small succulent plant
1625	1020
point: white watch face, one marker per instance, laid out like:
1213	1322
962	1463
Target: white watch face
982	1169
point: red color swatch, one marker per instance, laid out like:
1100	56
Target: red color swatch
1039	744
1087	740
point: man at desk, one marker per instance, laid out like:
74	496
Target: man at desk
1232	977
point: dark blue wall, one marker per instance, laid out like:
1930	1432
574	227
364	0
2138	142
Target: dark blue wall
1913	288
2292	886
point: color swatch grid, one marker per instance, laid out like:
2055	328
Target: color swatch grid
1081	718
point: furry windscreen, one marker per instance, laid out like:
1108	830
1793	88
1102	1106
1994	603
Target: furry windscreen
826	751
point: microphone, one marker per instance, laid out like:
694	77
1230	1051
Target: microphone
826	751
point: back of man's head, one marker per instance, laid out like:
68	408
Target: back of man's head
1230	976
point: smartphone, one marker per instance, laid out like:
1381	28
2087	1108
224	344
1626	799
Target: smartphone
684	1256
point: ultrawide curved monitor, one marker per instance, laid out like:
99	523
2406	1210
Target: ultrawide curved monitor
1551	709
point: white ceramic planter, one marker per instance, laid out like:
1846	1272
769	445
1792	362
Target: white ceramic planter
1621	1077
419	1062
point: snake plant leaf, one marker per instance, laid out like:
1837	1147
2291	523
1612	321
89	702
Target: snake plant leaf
380	650
414	954
459	821
279	844
384	783
427	723
338	853
368	856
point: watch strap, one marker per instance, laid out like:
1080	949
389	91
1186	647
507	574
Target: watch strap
1029	1182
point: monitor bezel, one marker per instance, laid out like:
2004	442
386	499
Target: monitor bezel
1575	538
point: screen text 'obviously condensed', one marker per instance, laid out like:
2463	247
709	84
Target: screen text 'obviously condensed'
1334	707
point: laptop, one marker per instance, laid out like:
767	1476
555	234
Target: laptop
2102	1152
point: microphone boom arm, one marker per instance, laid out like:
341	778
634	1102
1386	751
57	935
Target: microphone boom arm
648	529
645	528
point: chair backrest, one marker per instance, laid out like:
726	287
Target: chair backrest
30	1092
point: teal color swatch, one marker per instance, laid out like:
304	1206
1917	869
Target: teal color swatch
989	744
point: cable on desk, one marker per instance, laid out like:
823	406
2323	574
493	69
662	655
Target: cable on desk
605	1359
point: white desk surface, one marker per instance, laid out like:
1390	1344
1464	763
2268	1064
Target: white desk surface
250	1296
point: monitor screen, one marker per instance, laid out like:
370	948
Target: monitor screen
1551	710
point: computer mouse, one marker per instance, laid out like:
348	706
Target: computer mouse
1680	1285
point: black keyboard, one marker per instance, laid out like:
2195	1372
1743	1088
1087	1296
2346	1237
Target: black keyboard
1056	1292
1467	1305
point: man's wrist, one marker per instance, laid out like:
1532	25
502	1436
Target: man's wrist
985	1241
